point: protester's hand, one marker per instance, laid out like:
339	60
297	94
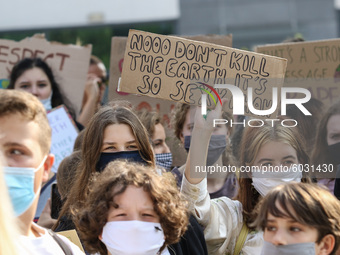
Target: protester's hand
92	91
206	122
45	219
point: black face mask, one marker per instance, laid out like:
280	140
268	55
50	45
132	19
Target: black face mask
106	158
334	152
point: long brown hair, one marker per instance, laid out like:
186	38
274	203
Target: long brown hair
253	139
91	149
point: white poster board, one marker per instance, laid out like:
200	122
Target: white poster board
64	134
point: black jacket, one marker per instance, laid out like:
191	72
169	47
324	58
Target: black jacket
192	242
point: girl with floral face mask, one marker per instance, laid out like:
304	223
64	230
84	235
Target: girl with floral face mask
226	221
156	131
299	218
131	210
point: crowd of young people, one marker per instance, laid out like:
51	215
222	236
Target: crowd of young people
122	194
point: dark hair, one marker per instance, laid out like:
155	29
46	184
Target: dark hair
29	63
320	153
307	123
307	204
66	173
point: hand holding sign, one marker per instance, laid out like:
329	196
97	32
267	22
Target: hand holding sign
206	123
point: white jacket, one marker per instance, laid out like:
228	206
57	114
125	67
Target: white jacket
221	219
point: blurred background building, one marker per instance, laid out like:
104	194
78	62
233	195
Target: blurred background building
259	21
251	22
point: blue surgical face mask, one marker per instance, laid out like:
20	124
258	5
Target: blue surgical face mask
164	160
20	183
289	249
106	157
47	102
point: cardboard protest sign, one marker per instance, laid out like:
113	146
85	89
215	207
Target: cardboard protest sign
164	107
64	134
116	66
181	70
73	237
312	65
69	63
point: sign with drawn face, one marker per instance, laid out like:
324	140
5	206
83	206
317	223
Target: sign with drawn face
312	65
180	70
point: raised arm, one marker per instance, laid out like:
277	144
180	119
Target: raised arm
90	100
221	218
197	157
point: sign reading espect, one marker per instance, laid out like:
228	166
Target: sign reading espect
69	63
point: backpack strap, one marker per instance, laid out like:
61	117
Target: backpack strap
241	239
66	249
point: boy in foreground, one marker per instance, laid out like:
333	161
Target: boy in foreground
25	140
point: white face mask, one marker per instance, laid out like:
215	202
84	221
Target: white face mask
263	182
289	249
133	237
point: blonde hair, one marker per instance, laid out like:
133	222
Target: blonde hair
252	141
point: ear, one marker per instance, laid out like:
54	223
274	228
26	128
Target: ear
47	167
181	137
326	245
